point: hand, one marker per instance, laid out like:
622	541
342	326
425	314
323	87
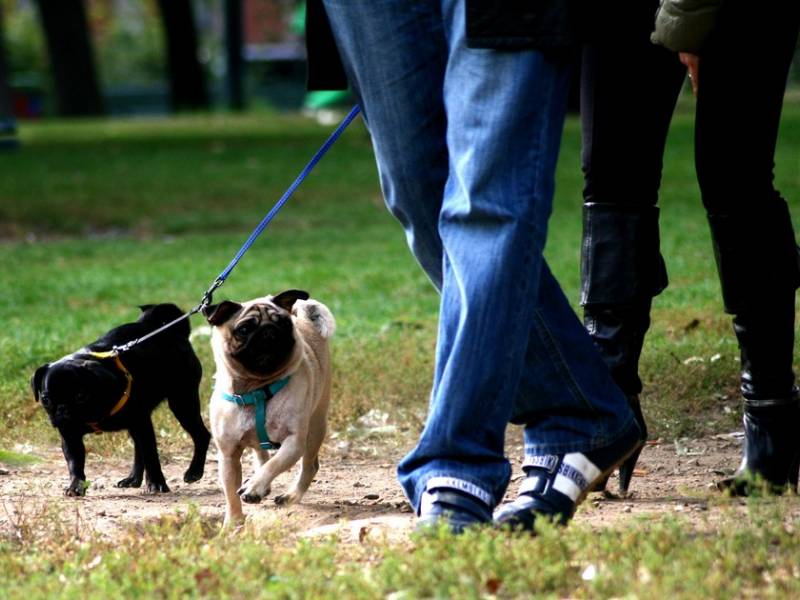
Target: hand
692	62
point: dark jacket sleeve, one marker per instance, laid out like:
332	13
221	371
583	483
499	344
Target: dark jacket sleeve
552	26
546	25
325	70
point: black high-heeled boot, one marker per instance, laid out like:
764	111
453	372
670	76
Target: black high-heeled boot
771	406
771	448
626	468
621	271
757	260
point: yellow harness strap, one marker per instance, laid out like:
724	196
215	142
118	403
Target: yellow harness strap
125	395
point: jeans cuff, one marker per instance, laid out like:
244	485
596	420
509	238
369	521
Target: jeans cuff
459	484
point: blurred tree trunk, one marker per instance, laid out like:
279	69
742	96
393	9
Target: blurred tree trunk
8	126
186	78
233	53
6	107
70	48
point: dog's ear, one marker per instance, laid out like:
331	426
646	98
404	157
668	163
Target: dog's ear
146	310
287	299
38	379
217	314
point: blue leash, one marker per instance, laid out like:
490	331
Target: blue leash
207	296
279	204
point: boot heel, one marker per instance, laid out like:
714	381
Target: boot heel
793	474
626	470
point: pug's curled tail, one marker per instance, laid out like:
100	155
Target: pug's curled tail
318	314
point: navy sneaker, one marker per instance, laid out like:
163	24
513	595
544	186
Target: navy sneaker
555	484
455	509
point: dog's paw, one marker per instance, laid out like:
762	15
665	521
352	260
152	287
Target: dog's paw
190	476
249	495
287	499
251	498
130	482
76	488
157	488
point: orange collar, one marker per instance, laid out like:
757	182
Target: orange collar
125	395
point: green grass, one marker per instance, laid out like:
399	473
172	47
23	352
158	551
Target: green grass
743	552
16	459
99	217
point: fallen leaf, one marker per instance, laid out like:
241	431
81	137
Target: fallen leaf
493	585
693	324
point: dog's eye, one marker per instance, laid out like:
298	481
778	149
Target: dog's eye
245	329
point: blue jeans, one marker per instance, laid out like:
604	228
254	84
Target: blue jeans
466	143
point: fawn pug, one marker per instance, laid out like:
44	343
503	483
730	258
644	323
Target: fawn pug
272	390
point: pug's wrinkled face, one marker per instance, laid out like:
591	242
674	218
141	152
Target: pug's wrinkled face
258	335
75	391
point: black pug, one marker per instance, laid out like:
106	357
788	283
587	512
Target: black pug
89	391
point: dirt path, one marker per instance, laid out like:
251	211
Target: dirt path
355	488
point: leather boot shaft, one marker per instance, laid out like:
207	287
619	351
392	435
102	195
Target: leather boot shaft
618	333
621	270
766	346
621	260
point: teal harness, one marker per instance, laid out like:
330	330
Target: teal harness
259	398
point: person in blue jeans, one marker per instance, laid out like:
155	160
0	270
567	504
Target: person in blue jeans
465	104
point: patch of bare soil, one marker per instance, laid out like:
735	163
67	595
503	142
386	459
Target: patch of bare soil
355	490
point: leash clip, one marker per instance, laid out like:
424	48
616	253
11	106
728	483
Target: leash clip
208	296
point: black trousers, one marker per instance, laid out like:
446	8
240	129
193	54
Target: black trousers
628	93
629	87
743	72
